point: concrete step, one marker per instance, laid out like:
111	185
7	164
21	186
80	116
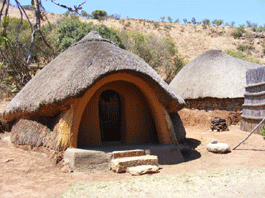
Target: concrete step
142	169
127	153
120	165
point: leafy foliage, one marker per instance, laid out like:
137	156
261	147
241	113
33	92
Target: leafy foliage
99	14
241	55
13	53
206	21
193	20
158	52
162	18
243	48
72	30
262	131
85	14
177	20
238	32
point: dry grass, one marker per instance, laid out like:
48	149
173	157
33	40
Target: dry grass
244	182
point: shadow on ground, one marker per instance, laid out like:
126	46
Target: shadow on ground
190	153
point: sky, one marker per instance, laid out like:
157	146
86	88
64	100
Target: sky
238	11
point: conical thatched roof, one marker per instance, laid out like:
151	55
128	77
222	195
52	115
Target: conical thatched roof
212	74
70	74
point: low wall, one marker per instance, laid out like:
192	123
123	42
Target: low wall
210	104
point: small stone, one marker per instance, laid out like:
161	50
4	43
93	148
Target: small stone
214	141
218	148
143	169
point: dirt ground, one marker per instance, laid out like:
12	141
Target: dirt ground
33	174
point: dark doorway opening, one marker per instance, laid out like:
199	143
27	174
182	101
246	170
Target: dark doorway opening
110	116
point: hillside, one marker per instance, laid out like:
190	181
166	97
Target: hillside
191	40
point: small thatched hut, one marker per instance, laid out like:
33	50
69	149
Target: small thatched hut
94	93
213	80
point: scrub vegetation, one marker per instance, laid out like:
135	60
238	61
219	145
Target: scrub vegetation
165	44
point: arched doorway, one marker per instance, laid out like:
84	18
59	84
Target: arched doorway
110	116
142	115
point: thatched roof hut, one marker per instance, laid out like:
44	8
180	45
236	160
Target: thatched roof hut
213	80
76	94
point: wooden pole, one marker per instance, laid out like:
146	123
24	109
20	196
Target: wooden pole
261	122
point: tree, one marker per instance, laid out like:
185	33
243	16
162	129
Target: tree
185	21
14	56
85	14
232	23
249	24
193	20
99	14
206	21
162	18
71	30
214	22
177	20
219	22
169	19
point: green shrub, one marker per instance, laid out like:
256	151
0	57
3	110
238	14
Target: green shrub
156	25
72	30
14	52
158	51
242	56
242	48
238	32
206	21
99	14
262	131
128	24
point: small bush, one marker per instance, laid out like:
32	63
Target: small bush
262	131
128	24
72	30
156	25
238	32
158	51
99	14
242	56
243	48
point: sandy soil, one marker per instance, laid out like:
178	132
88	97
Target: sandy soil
33	174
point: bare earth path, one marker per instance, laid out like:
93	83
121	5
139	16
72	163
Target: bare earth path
32	174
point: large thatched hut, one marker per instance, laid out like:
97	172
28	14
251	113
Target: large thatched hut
213	80
92	94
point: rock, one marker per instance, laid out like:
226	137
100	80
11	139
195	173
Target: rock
143	169
218	148
120	165
214	141
219	124
81	160
129	153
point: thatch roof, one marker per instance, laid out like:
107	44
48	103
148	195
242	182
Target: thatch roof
213	74
75	70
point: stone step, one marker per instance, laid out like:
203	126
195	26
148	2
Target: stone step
142	169
127	153
120	165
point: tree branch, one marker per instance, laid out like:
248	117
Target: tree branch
19	5
75	10
1	12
